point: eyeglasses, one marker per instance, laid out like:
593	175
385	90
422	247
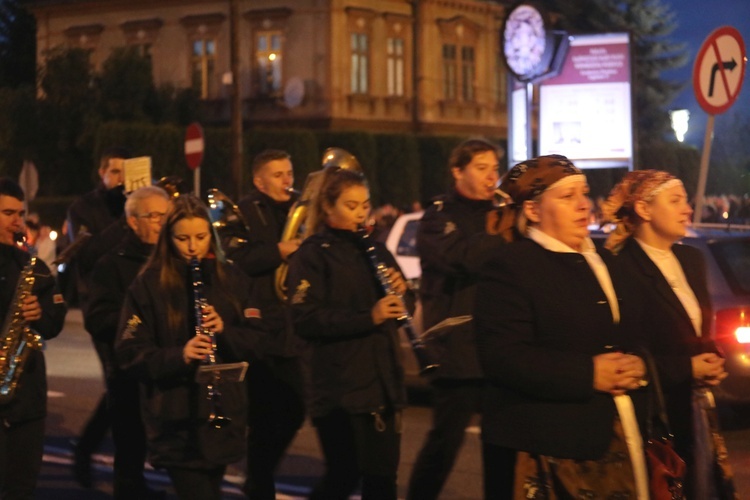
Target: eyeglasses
153	216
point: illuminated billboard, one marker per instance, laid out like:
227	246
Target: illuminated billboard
585	111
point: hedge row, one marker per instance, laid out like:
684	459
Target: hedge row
401	168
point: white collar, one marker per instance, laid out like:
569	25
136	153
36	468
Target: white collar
554	245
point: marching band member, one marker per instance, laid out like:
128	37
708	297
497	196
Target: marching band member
22	418
95	213
275	383
156	342
146	210
453	245
555	323
357	381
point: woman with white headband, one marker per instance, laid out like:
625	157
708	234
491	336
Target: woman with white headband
556	328
651	213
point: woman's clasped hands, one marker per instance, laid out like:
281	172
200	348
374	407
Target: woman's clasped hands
618	372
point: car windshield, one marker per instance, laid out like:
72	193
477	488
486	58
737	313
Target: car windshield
407	244
733	257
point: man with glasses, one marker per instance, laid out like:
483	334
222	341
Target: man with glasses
146	210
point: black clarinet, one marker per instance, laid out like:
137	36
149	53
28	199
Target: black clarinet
216	418
426	358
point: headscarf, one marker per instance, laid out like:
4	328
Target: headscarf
619	207
526	181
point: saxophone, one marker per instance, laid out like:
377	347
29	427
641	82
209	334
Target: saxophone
18	339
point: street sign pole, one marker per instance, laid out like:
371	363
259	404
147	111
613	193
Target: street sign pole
703	175
197	181
718	73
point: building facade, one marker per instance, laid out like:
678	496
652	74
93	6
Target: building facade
432	66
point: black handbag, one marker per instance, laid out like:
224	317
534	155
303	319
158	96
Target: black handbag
666	468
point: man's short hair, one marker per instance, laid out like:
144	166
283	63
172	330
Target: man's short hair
465	152
112	153
131	204
9	187
268	156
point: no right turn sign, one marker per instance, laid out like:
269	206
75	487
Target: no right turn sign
719	70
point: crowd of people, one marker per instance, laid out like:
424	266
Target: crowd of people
553	342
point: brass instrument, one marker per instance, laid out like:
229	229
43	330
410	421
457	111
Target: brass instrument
18	339
426	358
294	227
228	224
211	372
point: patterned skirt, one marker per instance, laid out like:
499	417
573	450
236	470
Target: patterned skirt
548	478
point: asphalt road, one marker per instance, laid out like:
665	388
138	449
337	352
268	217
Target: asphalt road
75	386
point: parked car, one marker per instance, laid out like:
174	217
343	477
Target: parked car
727	254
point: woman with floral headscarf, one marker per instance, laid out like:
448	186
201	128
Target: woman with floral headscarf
556	326
651	213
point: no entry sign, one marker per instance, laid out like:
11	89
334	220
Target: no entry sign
719	70
194	145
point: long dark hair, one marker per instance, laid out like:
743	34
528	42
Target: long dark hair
170	263
335	181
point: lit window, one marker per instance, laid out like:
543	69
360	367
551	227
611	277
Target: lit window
395	66
360	63
268	57
203	66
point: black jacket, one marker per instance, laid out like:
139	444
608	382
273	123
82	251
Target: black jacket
30	401
174	406
540	318
110	280
354	365
100	212
453	245
674	342
260	258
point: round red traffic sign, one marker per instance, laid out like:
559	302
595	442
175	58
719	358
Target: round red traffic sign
194	145
719	70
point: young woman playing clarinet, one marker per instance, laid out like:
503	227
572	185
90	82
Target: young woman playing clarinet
339	306
160	342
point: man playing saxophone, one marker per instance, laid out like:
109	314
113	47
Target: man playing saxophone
275	384
43	310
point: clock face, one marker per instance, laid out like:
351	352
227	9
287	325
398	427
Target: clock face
525	40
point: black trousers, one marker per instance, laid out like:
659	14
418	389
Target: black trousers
276	411
128	435
499	467
359	447
21	449
100	422
196	484
455	403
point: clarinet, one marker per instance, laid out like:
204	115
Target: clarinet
216	417
426	358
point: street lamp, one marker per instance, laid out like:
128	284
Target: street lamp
680	119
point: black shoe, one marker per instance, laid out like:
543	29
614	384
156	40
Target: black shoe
82	468
155	494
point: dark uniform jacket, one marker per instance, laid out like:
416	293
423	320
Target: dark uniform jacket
540	318
260	258
30	401
354	364
674	342
175	408
110	279
100	212
453	245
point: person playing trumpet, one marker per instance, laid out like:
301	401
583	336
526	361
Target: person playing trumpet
275	384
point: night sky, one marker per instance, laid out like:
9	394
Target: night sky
697	19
